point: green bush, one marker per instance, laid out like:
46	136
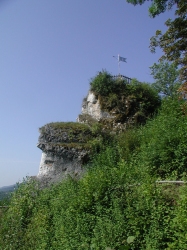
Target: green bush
127	101
116	204
102	84
164	141
179	222
115	200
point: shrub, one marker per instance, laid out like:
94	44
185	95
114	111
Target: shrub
116	205
102	83
113	202
124	99
164	141
179	222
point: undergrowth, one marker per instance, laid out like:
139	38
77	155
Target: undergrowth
117	205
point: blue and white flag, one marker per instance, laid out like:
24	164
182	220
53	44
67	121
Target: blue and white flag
122	59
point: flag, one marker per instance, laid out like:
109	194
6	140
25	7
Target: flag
122	59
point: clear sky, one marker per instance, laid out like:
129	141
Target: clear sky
49	50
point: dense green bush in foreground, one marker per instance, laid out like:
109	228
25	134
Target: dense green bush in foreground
117	204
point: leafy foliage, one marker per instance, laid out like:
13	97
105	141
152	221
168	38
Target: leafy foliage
179	223
116	205
102	84
107	208
135	101
166	75
157	6
173	42
163	145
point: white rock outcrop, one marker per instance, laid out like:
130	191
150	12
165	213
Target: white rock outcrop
60	159
63	151
54	168
91	106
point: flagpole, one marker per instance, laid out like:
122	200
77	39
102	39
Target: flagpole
118	65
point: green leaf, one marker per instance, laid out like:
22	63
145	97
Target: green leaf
130	239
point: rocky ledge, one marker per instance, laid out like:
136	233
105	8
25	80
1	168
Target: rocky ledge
65	148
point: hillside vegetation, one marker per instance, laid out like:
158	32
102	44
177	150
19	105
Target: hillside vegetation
129	103
117	205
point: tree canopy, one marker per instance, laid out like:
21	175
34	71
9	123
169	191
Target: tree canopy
174	41
166	77
157	6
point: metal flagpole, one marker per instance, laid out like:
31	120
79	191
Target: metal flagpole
118	65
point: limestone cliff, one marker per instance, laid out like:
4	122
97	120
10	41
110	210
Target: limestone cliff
91	107
67	146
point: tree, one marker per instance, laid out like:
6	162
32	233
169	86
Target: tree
167	78
157	7
174	41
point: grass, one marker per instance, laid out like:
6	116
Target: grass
75	126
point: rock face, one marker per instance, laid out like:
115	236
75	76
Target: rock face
91	107
54	168
65	146
64	149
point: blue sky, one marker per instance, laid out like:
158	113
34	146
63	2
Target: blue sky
49	50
